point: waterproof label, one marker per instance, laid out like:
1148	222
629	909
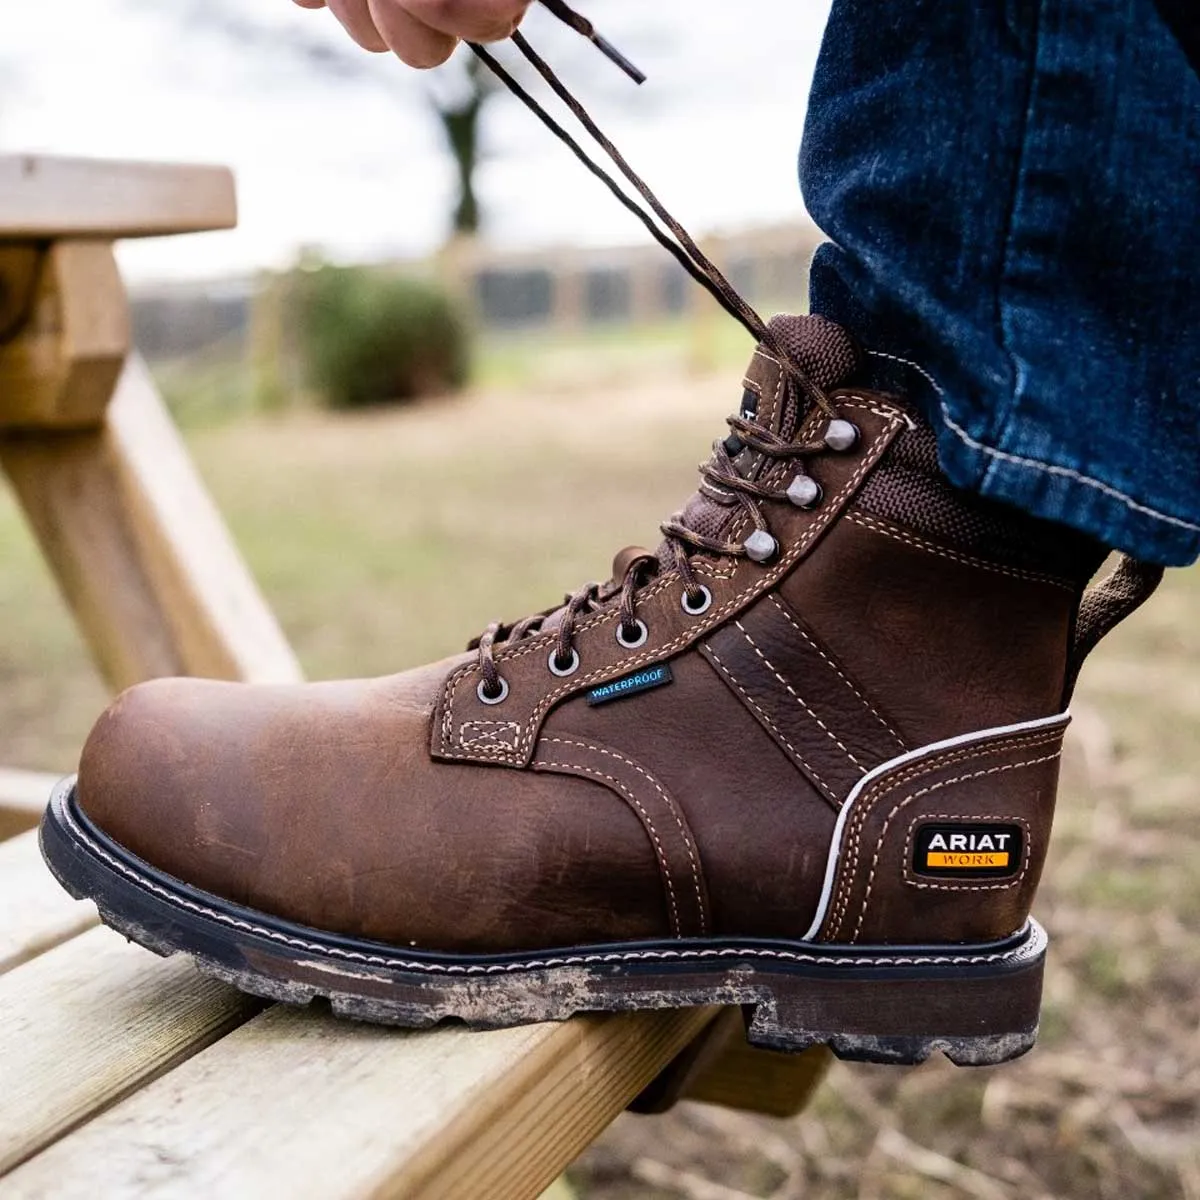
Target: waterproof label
630	685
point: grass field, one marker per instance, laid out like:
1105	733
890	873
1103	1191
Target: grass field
389	538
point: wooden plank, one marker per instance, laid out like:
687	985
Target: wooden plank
35	913
60	368
87	1022
734	1074
23	796
139	550
43	197
297	1104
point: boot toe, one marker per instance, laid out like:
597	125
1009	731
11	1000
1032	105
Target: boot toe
150	778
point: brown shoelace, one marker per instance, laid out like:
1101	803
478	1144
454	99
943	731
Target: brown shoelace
725	484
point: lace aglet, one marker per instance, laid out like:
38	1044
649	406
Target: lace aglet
583	26
614	55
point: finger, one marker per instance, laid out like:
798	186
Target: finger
411	40
475	20
355	17
309	3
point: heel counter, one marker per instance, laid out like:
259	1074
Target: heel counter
946	843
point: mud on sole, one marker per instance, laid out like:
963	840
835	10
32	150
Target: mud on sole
882	1004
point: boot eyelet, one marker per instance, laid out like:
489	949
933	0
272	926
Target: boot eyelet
563	669
639	637
701	606
501	695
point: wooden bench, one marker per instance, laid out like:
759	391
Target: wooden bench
132	1075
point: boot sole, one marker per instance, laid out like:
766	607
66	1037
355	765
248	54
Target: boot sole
978	1004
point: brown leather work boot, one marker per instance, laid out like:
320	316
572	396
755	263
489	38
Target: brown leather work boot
802	759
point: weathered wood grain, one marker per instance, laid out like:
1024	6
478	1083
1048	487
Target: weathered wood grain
139	550
45	197
20	268
299	1105
87	1022
60	362
35	913
732	1073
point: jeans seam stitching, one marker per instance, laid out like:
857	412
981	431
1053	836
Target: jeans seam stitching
1003	323
1034	464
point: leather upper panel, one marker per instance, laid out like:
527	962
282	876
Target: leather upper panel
533	691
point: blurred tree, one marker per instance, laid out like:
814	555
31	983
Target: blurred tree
458	93
459	120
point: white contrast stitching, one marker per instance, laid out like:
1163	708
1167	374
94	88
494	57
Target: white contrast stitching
488	735
787	616
668	800
919	543
566	960
660	853
934	787
760	583
888	784
796	696
825	788
1019	460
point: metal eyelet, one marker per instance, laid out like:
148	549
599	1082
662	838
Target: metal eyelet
705	602
633	643
498	698
571	667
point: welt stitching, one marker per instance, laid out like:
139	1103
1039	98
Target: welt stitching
865	804
1032	762
669	801
658	846
787	616
566	960
825	788
799	700
967	560
759	585
966	887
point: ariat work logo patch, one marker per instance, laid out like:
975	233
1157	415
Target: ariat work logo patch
630	685
976	850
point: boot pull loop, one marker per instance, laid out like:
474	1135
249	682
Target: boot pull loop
1104	605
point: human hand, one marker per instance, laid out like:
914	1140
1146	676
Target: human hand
423	33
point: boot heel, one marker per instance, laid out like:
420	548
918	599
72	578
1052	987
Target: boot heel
978	1014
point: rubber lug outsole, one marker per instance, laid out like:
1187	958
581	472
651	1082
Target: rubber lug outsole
883	1004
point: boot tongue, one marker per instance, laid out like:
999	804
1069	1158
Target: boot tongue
825	352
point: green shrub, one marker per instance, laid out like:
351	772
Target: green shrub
368	337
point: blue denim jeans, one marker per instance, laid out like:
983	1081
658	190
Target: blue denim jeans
1012	193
